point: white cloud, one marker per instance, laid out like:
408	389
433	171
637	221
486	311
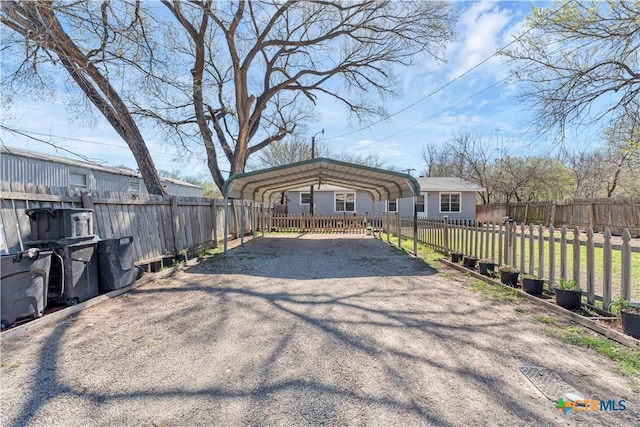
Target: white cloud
481	29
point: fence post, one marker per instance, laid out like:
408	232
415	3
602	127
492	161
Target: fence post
576	255
540	251
215	222
87	200
514	246
563	252
591	289
552	255
445	233
226	223
625	258
175	223
531	250
500	248
606	270
592	216
415	225
552	214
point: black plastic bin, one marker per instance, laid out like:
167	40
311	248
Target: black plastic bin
51	224
115	264
24	284
74	272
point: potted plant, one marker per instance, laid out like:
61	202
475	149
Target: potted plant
369	230
568	294
629	314
456	257
509	275
533	285
469	262
486	266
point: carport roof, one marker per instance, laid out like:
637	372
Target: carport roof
380	183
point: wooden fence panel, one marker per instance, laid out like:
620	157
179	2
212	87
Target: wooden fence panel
147	218
599	214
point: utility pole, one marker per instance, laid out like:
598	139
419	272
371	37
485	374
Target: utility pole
408	170
313	156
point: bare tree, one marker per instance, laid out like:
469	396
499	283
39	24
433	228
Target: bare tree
229	78
290	150
467	156
258	67
580	62
45	32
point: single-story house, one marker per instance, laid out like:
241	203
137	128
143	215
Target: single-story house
453	197
18	165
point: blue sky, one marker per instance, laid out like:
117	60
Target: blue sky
483	28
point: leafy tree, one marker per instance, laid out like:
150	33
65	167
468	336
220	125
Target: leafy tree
580	62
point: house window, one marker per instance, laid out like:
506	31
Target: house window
77	180
345	202
392	205
420	203
305	198
449	202
134	187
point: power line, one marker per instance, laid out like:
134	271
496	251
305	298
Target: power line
449	83
432	116
28	134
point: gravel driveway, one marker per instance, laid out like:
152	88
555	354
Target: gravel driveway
301	330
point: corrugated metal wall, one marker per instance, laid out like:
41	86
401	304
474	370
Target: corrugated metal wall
16	168
21	169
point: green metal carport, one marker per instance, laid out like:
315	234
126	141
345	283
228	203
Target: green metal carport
381	184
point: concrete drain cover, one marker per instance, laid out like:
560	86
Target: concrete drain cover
549	383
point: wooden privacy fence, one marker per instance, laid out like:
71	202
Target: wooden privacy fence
605	266
300	223
161	226
597	214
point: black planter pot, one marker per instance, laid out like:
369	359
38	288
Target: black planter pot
486	268
509	278
631	323
533	286
456	257
570	300
469	262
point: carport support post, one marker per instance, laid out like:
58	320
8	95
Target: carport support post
262	219
242	222
415	225
388	230
254	212
399	221
226	222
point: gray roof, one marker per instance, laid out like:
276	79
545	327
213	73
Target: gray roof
447	184
81	164
380	183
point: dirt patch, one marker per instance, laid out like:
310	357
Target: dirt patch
302	330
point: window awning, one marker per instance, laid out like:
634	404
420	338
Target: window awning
261	184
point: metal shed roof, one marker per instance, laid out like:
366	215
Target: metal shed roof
380	183
447	184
